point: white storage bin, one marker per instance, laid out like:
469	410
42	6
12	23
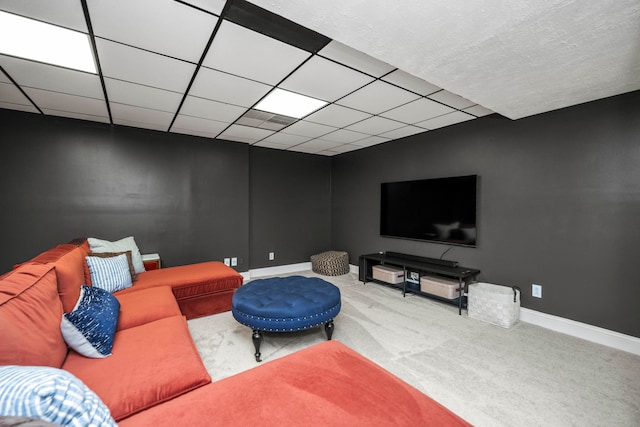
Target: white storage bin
495	304
388	274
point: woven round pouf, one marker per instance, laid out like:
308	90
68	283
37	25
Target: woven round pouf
285	304
330	263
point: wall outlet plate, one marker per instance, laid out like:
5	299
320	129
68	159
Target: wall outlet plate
227	261
536	290
272	256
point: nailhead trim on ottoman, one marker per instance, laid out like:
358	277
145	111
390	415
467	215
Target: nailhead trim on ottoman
330	263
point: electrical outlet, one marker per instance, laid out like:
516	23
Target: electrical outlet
272	256
536	290
234	262
227	261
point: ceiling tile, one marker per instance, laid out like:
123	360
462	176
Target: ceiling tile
64	13
163	26
268	144
445	120
50	77
138	66
9	93
324	79
375	125
70	103
142	96
207	109
245	134
76	115
377	97
411	82
402	132
124	114
213	6
242	52
478	111
344	136
285	139
318	144
141	125
304	128
417	111
355	59
372	140
226	88
20	107
197	126
456	101
337	116
302	148
344	148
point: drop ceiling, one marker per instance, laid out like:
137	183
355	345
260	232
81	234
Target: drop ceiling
386	69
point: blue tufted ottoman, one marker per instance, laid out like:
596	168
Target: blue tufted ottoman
285	304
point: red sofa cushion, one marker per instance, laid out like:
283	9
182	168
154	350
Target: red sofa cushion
327	384
150	364
146	305
30	316
69	262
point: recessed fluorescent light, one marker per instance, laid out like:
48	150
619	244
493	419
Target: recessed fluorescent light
289	104
38	41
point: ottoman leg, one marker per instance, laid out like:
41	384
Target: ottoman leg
257	340
328	328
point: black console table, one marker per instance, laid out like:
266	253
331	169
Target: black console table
432	267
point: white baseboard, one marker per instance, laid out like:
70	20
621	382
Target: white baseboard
582	330
555	323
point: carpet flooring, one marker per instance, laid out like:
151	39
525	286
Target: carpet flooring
522	376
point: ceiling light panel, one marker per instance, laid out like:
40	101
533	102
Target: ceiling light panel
355	59
49	77
375	125
456	101
337	116
144	117
445	120
39	41
377	97
324	79
138	66
222	87
289	104
65	13
242	52
65	102
244	134
410	82
163	26
417	111
212	110
198	126
142	96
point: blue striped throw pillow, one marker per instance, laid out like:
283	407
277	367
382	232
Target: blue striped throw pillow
90	328
50	394
111	274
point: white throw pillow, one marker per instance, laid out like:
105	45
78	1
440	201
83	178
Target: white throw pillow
122	245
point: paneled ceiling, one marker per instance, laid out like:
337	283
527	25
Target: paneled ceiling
198	67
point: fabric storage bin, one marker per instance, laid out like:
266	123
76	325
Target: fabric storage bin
495	304
444	288
386	273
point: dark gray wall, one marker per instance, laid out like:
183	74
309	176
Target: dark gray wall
185	197
559	204
290	206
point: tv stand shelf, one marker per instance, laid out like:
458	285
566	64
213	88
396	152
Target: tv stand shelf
431	267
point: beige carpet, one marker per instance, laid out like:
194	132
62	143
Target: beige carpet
522	376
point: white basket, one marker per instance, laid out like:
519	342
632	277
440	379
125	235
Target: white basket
495	304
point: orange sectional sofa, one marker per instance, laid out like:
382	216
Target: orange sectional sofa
155	376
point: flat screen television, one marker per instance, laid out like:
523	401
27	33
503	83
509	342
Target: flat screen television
441	210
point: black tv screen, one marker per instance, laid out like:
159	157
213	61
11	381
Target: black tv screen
438	210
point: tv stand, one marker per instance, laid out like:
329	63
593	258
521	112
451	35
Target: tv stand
423	266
